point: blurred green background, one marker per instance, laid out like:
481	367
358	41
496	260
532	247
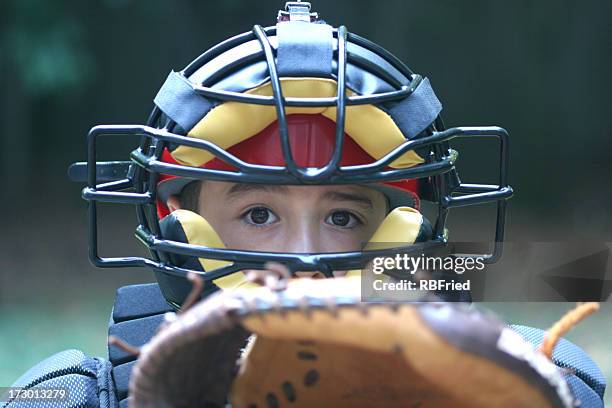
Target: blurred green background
540	69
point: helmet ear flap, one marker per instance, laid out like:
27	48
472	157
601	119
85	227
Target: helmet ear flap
190	228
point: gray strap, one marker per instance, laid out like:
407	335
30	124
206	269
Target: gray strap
304	49
178	100
416	112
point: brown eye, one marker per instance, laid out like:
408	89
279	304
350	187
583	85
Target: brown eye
342	219
260	216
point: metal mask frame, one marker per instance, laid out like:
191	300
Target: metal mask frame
139	176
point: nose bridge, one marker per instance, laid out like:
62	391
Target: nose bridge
304	235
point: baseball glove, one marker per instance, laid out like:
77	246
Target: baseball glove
314	344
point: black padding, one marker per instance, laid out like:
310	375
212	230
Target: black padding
172	229
175	289
106	385
178	100
138	312
121	376
425	231
252	70
136	301
224	350
304	49
135	332
82	392
85	378
416	112
297	57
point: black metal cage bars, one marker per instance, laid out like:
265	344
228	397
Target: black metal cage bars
138	186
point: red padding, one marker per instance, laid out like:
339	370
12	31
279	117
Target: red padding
312	140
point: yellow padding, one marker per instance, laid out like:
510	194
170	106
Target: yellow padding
233	122
199	232
401	226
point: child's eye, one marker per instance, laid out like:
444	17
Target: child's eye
343	219
260	216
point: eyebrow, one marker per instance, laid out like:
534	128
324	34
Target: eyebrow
241	188
357	198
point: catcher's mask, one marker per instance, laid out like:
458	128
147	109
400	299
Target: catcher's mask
299	103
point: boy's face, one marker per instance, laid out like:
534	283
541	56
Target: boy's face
295	219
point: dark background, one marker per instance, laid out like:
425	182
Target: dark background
539	69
